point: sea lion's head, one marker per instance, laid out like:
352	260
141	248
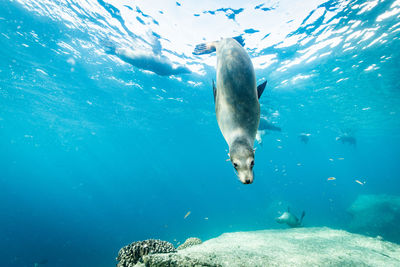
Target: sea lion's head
241	154
283	218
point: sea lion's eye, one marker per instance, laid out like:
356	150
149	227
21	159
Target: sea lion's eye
252	163
235	165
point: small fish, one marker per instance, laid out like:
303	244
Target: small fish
206	218
331	178
187	214
359	182
331	159
340	158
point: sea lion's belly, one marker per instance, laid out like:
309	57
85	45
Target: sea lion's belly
237	107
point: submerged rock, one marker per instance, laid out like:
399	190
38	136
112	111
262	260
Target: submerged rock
191	241
292	247
129	255
375	215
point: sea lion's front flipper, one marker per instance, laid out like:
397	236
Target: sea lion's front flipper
301	218
205	48
214	91
260	89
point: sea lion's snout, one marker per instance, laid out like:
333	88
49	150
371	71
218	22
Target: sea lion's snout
246	176
248	179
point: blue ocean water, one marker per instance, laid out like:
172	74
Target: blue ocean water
96	153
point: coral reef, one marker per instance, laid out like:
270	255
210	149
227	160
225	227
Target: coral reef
129	255
291	247
376	215
191	241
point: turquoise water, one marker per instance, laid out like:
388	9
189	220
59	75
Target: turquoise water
96	153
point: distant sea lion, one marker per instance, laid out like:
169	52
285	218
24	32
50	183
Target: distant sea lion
304	137
290	219
158	64
236	102
346	138
267	125
151	60
264	127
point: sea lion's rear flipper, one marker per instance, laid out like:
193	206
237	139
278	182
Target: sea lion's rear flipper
214	91
301	218
205	48
260	89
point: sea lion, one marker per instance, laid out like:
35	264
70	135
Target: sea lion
263	129
157	64
267	125
236	102
150	60
290	219
304	137
347	138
